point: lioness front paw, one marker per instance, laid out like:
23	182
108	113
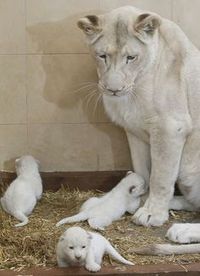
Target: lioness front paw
182	233
144	216
93	267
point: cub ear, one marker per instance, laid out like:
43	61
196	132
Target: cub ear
17	162
89	235
147	23
129	172
38	162
131	189
89	24
61	238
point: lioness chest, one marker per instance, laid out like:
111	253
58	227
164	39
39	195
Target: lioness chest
128	115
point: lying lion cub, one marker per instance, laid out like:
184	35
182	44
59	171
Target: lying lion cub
77	247
101	212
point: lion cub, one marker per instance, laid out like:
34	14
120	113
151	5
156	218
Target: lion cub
21	196
101	212
77	247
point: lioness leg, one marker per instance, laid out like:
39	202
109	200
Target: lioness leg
180	203
140	155
189	175
167	140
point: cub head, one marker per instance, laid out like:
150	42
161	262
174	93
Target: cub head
124	44
134	185
26	164
75	242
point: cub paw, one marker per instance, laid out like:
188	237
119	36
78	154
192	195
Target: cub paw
95	224
93	267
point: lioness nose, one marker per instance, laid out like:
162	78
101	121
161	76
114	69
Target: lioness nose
78	257
114	90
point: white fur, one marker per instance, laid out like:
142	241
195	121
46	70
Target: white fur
180	203
76	247
21	196
101	212
184	232
179	233
155	98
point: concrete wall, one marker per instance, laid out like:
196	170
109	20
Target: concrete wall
43	62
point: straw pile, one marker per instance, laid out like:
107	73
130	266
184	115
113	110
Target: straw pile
34	244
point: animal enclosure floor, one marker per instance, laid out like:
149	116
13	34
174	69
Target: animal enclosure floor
34	244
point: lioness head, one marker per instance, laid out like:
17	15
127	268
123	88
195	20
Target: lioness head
124	45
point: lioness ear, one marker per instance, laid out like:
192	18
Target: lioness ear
147	23
89	24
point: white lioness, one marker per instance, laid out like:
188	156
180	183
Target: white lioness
77	247
149	78
102	211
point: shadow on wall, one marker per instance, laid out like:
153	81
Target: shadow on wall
52	35
49	36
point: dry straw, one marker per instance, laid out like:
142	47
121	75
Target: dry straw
34	244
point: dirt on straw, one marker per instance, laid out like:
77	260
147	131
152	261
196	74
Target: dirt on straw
34	244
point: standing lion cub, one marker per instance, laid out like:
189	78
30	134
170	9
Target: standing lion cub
21	196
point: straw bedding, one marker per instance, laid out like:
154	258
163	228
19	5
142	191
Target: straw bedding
34	244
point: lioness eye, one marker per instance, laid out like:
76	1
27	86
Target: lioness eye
71	247
103	56
83	246
130	58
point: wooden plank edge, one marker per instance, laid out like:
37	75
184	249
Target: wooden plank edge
100	180
140	270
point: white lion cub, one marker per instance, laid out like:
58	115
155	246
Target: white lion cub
77	247
21	196
101	212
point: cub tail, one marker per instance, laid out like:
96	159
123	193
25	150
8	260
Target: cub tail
79	217
20	216
116	256
168	249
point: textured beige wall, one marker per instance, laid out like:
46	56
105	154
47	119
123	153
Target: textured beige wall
43	61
